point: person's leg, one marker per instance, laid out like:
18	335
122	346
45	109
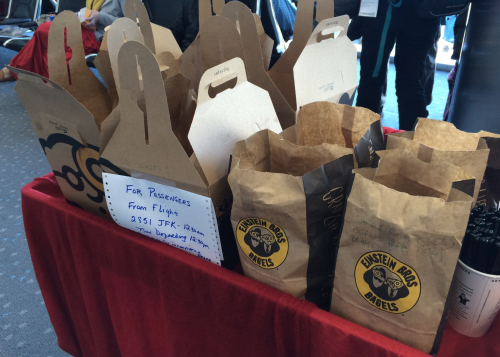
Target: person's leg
416	36
33	56
377	43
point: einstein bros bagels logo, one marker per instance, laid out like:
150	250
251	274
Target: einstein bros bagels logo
387	283
263	242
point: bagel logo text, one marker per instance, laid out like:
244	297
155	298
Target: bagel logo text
387	283
263	242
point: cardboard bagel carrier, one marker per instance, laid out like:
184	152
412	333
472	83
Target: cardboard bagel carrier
352	127
317	66
67	112
176	86
435	141
145	146
401	237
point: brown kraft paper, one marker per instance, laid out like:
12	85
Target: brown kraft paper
287	209
400	242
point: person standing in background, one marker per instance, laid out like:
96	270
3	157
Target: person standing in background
397	23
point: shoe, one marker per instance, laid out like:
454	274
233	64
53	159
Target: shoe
6	76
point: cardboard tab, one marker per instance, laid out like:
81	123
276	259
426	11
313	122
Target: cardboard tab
78	79
266	42
233	115
121	31
136	11
282	71
157	38
220	42
327	67
144	140
242	18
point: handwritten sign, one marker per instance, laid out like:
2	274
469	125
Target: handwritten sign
179	218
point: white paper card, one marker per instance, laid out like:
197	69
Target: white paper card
179	218
368	8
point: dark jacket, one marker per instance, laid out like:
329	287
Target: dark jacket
186	28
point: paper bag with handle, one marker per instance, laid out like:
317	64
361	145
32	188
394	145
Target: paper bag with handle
323	122
287	211
401	237
435	141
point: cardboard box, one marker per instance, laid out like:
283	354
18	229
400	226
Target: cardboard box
144	141
327	67
67	112
282	71
157	38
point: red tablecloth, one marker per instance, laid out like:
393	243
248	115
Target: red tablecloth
112	292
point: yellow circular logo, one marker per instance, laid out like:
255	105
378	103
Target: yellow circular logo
387	283
263	242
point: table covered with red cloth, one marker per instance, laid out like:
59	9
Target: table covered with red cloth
112	292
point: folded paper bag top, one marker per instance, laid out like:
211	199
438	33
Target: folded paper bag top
400	241
287	210
435	141
351	127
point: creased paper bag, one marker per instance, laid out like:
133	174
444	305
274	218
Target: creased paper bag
400	241
288	202
351	127
435	141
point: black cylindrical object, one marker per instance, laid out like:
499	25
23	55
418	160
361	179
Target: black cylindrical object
475	105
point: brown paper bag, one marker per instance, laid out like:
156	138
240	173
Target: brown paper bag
352	127
435	141
400	241
144	142
287	209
